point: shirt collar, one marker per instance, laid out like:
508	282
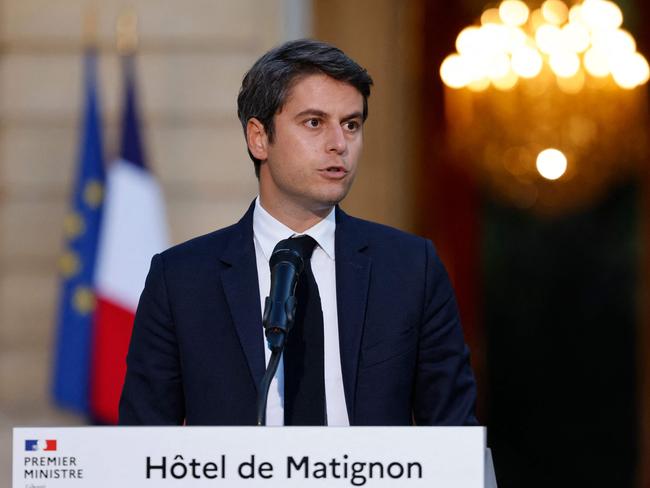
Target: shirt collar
269	231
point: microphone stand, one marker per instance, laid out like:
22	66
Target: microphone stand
276	336
263	394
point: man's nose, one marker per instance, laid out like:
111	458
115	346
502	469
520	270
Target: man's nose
336	141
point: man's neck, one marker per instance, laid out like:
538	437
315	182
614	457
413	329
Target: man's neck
297	218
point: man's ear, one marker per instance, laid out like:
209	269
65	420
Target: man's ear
257	139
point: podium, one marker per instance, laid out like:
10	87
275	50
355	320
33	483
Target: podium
372	457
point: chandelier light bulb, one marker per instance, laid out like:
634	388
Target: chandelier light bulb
490	16
575	14
515	38
631	71
564	63
468	40
454	72
513	12
555	12
549	38
601	15
551	164
499	66
596	63
527	62
615	43
493	38
575	36
536	20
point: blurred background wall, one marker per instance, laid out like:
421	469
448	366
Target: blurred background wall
555	308
190	62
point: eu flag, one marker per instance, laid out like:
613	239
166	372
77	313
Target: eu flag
77	264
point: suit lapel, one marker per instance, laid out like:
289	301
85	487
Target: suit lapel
352	280
242	293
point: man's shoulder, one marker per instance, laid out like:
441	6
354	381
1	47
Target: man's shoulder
214	245
201	248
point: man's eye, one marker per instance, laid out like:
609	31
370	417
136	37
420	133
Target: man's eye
313	123
352	125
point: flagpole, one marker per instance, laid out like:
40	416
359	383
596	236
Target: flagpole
89	30
126	32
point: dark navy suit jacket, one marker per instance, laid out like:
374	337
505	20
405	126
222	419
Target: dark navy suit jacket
197	348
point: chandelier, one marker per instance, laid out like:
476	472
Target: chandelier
548	106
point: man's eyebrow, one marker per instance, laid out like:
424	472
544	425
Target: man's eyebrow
319	113
353	115
312	111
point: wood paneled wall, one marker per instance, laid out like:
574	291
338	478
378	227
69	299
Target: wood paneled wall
384	37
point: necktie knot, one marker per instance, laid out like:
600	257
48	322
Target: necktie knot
306	244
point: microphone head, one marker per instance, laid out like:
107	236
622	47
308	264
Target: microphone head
289	251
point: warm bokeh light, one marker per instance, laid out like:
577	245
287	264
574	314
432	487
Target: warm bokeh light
527	62
596	63
564	64
490	16
468	40
507	82
600	15
454	72
479	85
614	42
562	74
551	164
549	38
499	66
513	12
536	20
630	71
555	12
493	38
512	42
576	37
515	38
575	13
573	84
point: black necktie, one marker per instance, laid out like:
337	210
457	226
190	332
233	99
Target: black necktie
304	370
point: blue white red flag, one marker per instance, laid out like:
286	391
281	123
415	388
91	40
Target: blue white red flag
40	445
133	230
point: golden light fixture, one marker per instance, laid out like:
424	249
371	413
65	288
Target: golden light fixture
548	104
551	164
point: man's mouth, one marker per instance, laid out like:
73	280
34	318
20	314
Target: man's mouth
333	170
334	173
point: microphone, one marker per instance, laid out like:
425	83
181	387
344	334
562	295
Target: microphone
286	264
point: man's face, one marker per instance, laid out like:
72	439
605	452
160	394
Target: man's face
312	161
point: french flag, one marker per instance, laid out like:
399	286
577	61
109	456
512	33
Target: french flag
40	445
133	229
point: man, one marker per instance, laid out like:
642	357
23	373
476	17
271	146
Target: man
383	345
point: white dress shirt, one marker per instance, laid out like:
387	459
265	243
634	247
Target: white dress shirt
267	232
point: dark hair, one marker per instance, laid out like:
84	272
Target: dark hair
265	87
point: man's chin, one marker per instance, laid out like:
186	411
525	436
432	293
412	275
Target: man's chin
336	196
332	200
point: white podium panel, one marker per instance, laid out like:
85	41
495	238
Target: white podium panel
108	457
